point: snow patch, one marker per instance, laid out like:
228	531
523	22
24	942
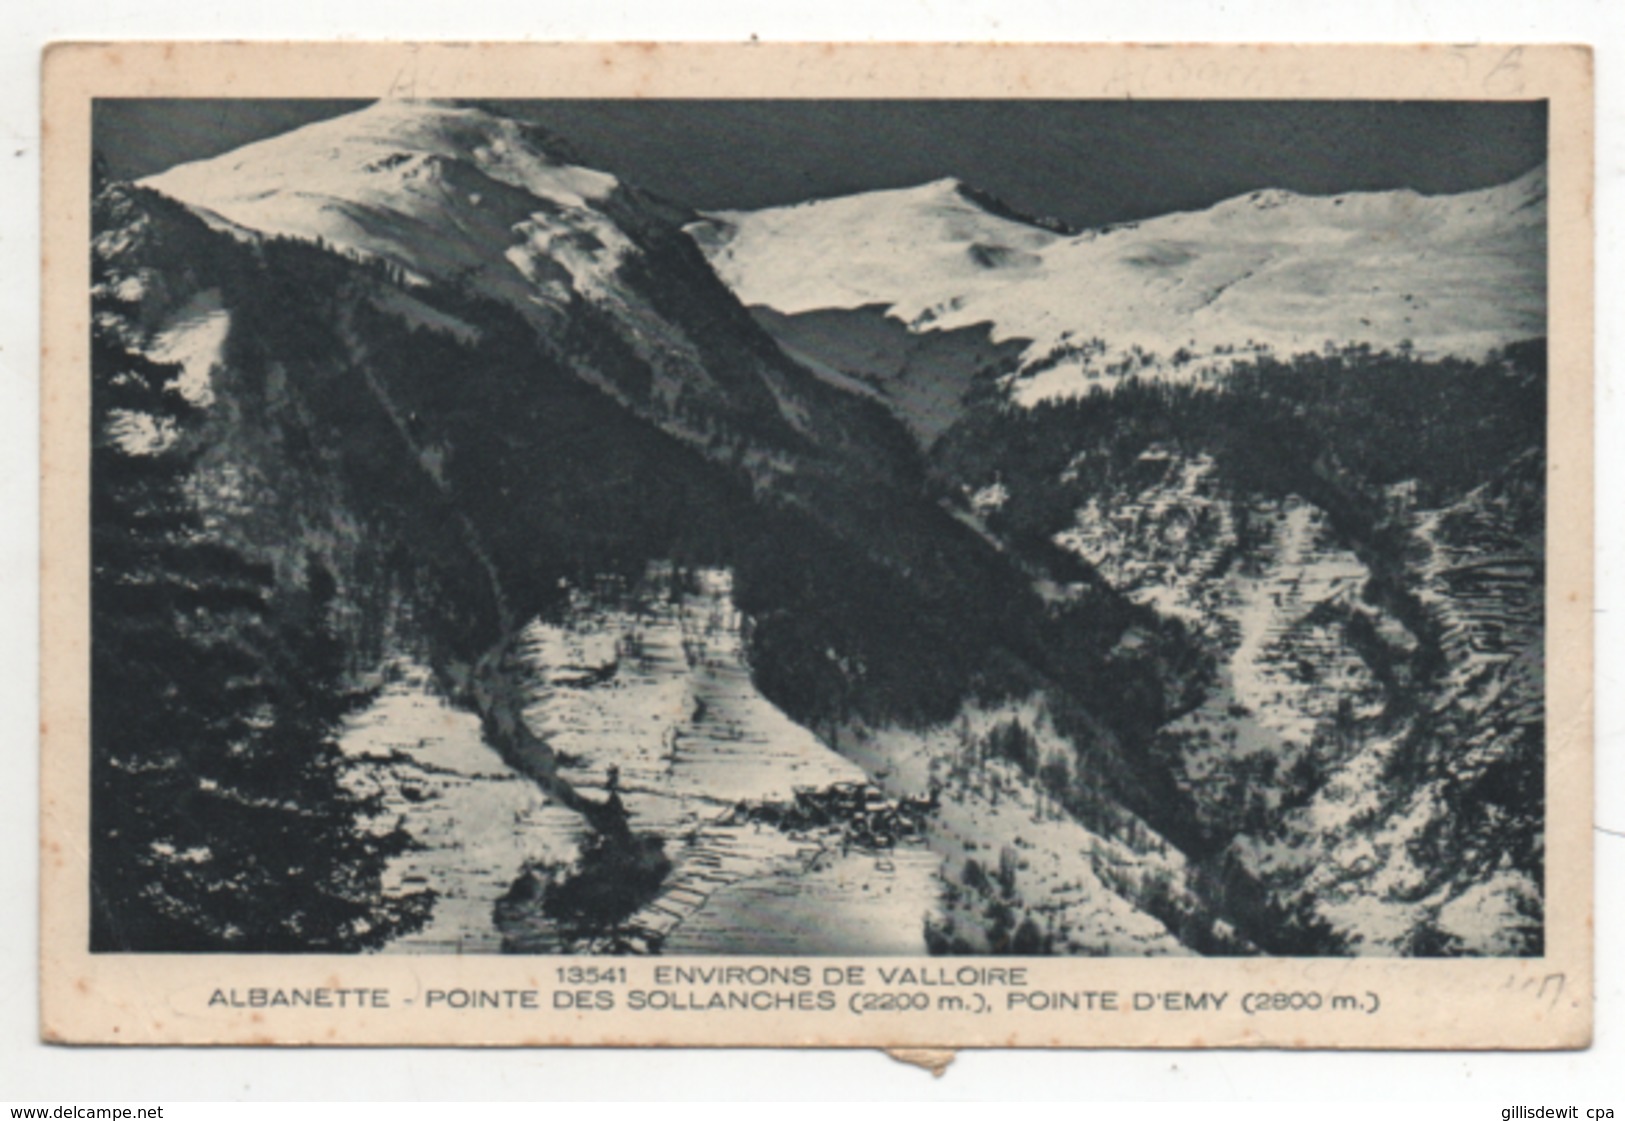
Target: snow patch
988	806
194	338
478	821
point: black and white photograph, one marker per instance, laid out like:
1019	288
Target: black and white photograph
872	528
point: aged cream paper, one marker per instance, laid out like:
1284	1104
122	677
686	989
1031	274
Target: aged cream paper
820	997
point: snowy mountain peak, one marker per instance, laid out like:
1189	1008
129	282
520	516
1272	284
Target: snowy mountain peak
446	191
456	196
1266	271
325	155
868	248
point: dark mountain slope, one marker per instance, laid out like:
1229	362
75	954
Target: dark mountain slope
451	470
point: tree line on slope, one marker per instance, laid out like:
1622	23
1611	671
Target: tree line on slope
1371	439
219	816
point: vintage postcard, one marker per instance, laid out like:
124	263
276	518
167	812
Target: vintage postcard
845	545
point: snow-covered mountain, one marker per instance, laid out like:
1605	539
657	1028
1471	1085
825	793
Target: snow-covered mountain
1175	295
438	371
454	197
491	426
446	192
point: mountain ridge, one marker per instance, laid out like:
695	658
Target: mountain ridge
1175	296
460	197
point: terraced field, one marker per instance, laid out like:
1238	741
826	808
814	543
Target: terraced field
644	694
1336	771
475	820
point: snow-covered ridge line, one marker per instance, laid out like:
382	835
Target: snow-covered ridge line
1268	271
467	200
447	193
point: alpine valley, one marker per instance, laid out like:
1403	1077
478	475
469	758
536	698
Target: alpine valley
491	556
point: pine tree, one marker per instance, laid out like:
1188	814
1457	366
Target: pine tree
219	815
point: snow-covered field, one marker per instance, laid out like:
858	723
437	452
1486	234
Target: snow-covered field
656	689
1161	546
809	900
477	820
653	683
660	691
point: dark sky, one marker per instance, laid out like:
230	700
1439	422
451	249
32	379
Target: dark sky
1087	162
